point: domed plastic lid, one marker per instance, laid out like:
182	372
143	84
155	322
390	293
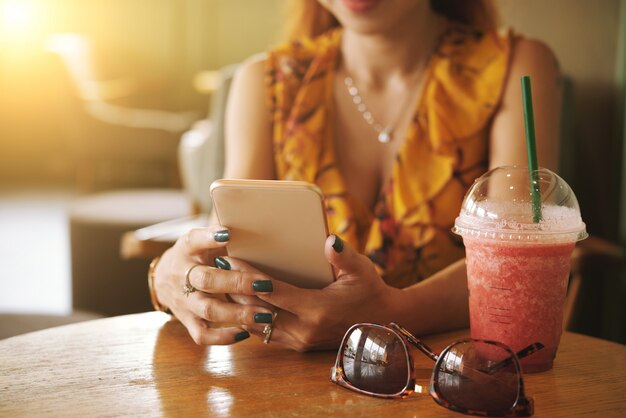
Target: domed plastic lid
498	206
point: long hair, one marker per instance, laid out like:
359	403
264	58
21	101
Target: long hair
307	18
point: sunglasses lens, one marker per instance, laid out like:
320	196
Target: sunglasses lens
375	360
478	376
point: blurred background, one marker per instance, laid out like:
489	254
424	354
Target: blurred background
109	109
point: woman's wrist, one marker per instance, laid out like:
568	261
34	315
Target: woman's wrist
393	305
436	304
153	296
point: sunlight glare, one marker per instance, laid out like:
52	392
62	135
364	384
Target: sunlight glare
16	15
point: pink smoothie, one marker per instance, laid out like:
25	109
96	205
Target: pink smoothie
517	294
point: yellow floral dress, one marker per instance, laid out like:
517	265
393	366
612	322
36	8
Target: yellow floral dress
408	232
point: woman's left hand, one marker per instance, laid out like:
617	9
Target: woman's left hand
312	319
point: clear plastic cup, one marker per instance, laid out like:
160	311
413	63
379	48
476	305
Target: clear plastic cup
517	270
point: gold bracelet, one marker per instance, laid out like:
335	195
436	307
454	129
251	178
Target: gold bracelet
153	297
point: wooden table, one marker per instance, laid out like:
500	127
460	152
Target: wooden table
146	365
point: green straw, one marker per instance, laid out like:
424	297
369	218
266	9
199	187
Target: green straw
531	148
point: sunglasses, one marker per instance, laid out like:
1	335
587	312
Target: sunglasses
475	377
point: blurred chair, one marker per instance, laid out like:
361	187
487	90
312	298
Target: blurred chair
118	140
201	161
201	152
124	138
597	285
114	235
594	262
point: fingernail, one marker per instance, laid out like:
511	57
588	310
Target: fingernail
221	236
242	336
338	244
221	263
263	318
264	286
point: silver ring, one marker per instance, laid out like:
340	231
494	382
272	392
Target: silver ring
187	287
269	328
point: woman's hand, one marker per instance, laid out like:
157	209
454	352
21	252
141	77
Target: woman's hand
312	319
205	311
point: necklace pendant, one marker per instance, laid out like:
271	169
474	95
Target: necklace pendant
384	136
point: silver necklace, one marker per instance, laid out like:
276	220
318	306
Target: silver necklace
385	133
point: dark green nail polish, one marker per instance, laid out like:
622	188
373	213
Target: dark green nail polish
242	336
263	318
264	286
221	263
338	244
221	236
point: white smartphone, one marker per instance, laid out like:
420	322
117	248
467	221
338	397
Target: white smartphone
277	226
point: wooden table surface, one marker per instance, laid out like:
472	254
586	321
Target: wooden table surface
146	365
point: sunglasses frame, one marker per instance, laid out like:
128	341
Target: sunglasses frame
338	376
523	405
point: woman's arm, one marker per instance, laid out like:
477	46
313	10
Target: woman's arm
437	304
441	302
507	137
248	141
247	128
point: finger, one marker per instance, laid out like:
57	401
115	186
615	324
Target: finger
215	310
227	280
288	330
345	259
283	322
276	292
249	300
197	240
203	334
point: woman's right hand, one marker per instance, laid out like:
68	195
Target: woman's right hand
200	310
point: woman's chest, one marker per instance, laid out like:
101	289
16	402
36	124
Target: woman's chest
366	163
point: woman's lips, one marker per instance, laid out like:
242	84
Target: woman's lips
361	6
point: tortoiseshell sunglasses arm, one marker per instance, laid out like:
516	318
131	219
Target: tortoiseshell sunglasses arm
524	352
417	343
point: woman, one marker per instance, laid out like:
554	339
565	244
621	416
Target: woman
392	107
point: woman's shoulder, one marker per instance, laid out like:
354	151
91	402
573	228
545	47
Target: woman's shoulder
250	74
533	54
252	68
